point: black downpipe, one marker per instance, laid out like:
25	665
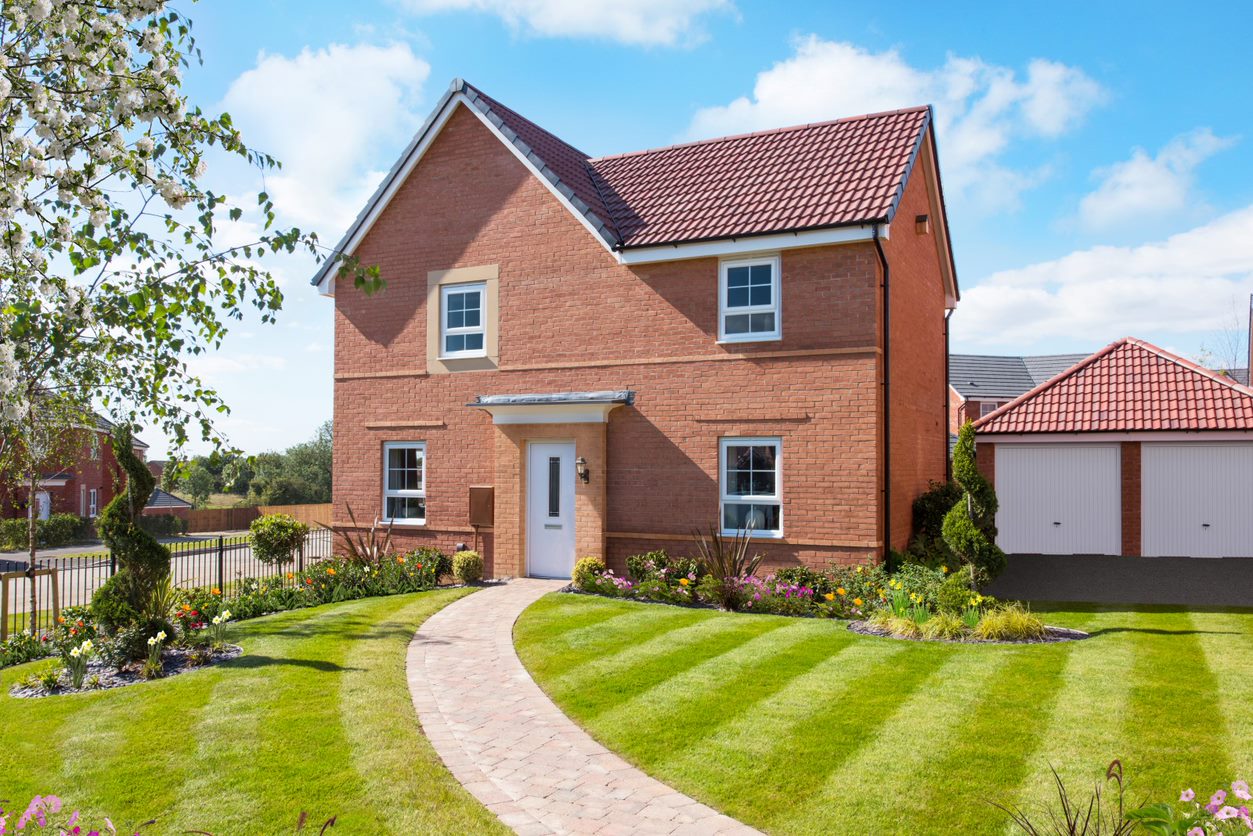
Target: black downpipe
948	402
887	396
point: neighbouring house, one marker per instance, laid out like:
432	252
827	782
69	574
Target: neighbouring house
1133	451
980	384
611	352
164	502
82	488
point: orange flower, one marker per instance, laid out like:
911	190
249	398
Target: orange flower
290	576
400	560
309	581
683	581
186	607
330	572
60	619
857	602
216	591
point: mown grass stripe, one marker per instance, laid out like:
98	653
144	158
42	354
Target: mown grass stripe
1156	751
1226	639
900	752
717	765
1084	730
717	687
636	667
826	734
1027	685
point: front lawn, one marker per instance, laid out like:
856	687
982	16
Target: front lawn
315	716
799	725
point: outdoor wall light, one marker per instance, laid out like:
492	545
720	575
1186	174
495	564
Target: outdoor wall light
580	467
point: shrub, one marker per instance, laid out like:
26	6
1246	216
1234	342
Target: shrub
13	534
21	648
803	576
969	527
868	584
954	594
276	537
467	566
900	626
142	562
57	530
642	567
920	583
163	525
726	560
1009	623
430	556
586	571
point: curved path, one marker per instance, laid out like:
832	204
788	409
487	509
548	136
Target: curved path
506	741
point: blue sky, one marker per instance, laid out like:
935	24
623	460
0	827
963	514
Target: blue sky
1094	155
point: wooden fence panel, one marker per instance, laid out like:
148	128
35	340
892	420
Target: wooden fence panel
220	519
310	515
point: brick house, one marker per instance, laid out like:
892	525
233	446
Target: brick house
980	383
83	488
625	348
1132	451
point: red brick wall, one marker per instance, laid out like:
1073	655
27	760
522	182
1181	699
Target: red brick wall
1131	498
101	473
985	460
919	432
571	318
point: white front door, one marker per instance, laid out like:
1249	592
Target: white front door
1195	500
1059	499
550	509
43	501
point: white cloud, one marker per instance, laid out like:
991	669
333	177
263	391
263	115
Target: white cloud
1145	187
328	114
1183	284
980	108
636	22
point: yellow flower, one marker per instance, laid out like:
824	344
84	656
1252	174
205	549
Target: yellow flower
859	570
683	581
944	569
830	596
857	602
841	591
400	560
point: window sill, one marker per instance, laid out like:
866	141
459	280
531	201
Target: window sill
756	535
771	338
477	355
406	523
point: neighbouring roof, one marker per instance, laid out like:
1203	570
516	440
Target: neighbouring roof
105	425
1238	375
976	376
164	499
623	396
846	172
1128	386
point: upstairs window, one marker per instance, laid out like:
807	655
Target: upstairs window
750	473
462	332
987	408
748	300
404	482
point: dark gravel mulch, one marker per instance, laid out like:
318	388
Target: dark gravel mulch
1052	635
100	677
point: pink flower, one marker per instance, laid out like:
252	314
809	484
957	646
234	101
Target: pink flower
1241	790
1218	797
1227	812
1196	831
1187	795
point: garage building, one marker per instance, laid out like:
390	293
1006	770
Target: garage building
1133	451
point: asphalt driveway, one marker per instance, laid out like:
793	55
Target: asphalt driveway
1100	579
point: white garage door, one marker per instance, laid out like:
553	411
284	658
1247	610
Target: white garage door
1059	499
1197	500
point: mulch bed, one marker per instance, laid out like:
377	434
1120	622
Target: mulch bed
1052	636
174	660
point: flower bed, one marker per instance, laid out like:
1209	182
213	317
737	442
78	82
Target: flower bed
100	676
914	602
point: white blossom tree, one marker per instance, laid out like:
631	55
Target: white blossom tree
113	270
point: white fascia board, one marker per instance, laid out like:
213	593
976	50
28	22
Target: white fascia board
1198	436
53	483
752	244
571	413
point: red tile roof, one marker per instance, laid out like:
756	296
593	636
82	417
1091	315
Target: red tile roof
829	174
1128	386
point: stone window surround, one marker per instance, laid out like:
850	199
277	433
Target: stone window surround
489	276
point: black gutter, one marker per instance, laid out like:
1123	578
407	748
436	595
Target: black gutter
887	397
948	402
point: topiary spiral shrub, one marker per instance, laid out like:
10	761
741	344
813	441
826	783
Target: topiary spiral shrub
970	525
143	564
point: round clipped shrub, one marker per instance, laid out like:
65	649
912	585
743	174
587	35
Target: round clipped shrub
954	594
467	566
276	537
586	571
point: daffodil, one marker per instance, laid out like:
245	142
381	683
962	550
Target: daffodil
830	596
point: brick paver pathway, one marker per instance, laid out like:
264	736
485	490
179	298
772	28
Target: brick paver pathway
506	741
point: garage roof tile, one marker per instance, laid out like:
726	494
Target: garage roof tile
1128	386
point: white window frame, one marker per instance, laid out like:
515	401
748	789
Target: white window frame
445	332
93	502
987	408
776	499
388	446
776	298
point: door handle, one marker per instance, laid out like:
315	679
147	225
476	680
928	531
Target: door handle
1056	523
1204	525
